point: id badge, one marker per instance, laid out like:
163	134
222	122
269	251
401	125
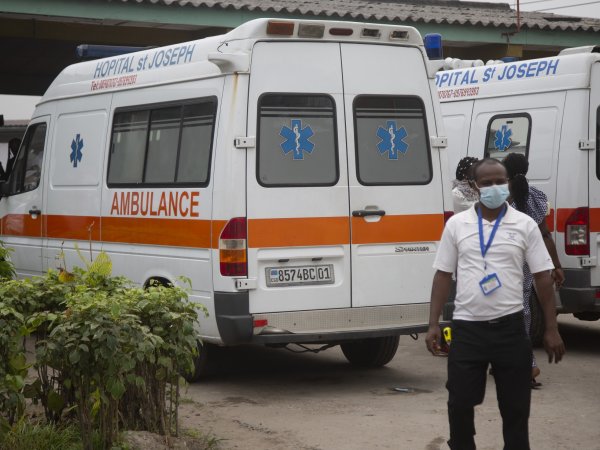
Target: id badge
489	284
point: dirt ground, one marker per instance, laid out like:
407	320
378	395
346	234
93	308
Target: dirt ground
271	399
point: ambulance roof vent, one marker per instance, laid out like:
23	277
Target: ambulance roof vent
584	49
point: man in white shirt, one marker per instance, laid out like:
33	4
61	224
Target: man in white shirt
486	246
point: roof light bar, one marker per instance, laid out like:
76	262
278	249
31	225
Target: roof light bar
370	33
307	30
341	31
280	28
91	51
433	46
398	35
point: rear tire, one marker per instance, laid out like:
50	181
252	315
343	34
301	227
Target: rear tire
372	352
538	326
201	361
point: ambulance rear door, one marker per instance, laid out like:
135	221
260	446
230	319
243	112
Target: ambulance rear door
396	199
297	194
594	176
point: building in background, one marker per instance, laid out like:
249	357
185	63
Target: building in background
39	37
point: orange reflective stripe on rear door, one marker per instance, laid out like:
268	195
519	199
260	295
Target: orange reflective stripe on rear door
398	228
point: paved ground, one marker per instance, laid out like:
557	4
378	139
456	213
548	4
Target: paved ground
271	399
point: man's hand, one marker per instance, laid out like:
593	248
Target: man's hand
559	277
434	339
440	289
553	344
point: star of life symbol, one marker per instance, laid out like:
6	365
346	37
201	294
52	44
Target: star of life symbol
297	139
392	140
76	146
503	140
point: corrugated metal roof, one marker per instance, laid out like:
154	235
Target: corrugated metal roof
451	12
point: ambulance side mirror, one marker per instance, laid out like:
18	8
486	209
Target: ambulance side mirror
4	189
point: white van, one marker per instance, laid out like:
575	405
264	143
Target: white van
547	109
291	169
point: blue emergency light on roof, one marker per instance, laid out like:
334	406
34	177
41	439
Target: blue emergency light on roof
104	51
433	46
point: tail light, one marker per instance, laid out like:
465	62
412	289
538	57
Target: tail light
232	248
447	215
577	235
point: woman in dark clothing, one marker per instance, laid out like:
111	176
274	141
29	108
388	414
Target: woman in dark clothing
533	202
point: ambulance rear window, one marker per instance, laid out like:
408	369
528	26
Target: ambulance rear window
297	140
508	134
162	145
391	140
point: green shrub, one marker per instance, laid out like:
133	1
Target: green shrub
7	270
108	353
13	365
116	353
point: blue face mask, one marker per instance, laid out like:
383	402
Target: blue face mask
493	196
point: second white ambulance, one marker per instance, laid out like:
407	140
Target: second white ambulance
549	110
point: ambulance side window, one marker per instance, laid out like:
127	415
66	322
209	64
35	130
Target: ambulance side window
163	146
297	140
128	147
27	168
391	140
508	134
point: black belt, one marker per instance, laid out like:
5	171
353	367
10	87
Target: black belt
518	316
508	318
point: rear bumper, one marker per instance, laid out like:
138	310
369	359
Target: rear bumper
236	324
577	294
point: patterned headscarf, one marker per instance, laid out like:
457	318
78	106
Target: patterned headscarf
463	167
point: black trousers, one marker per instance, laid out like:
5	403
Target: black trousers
503	344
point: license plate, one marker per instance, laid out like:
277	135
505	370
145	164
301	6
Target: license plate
298	275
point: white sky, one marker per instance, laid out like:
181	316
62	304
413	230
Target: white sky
17	107
579	8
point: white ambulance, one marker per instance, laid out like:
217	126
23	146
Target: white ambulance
547	109
291	169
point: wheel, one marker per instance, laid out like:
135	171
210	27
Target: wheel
587	315
537	328
200	364
373	352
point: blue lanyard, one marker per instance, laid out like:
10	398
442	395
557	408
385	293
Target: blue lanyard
485	248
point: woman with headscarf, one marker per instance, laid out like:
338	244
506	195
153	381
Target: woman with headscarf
463	194
533	202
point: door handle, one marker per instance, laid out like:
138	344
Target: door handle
368	212
35	211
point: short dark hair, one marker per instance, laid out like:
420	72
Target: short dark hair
484	162
14	144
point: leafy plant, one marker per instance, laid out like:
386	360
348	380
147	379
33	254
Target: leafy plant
13	365
107	351
7	269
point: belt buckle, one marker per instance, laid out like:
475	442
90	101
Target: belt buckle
494	321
